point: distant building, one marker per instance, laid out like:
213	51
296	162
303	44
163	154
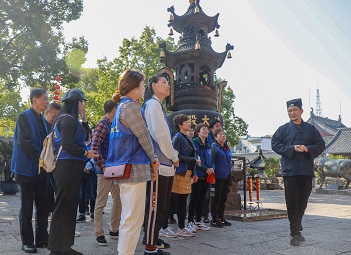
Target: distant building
252	144
326	127
340	144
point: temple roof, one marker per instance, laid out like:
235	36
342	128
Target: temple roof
180	22
187	52
325	126
340	144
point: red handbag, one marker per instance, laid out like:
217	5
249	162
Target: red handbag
211	179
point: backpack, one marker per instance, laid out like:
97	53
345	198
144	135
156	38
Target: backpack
47	159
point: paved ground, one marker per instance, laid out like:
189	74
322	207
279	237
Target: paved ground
327	228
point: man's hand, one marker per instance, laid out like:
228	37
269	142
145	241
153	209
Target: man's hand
300	148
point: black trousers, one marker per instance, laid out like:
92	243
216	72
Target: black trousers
297	191
68	175
34	192
206	203
157	192
180	200
220	198
197	196
51	191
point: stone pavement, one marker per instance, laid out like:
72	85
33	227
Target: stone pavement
327	228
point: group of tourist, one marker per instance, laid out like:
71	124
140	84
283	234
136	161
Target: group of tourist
164	169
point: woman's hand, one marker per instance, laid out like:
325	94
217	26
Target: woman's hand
154	170
209	171
195	178
176	163
92	154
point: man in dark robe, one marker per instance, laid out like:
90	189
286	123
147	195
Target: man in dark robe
298	143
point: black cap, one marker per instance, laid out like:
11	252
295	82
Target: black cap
73	95
294	102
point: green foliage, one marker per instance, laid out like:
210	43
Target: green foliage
31	39
140	54
252	171
337	157
10	108
271	167
233	124
5	158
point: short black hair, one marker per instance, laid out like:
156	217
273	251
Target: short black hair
213	122
199	126
55	106
36	93
217	131
109	106
179	119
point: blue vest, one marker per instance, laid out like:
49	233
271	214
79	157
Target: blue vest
183	165
79	139
223	161
161	157
124	147
204	151
21	163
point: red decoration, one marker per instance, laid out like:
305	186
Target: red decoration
58	78
57	86
249	181
258	188
57	92
56	97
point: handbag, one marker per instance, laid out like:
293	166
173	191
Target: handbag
211	179
117	172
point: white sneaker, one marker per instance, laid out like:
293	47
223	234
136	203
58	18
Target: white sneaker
201	226
168	232
191	227
184	232
76	233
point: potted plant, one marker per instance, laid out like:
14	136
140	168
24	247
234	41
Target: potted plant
271	170
7	185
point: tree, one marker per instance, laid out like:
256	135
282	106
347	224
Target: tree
31	39
10	108
233	124
140	54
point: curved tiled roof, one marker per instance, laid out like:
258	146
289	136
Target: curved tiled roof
341	143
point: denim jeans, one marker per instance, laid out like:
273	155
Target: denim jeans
87	189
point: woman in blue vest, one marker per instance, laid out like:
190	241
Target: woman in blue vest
222	158
69	134
130	143
199	189
185	174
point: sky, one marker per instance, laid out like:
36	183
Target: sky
283	49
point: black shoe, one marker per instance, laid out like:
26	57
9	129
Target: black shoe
206	220
172	220
114	235
225	223
29	248
81	218
92	217
216	223
41	244
301	238
295	241
157	252
74	252
100	240
162	244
